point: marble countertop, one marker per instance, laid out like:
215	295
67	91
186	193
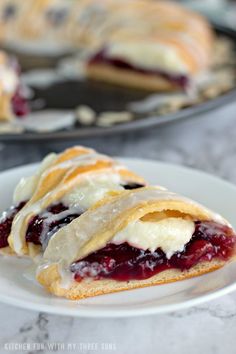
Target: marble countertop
207	143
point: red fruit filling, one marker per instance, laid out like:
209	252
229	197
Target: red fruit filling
19	104
124	262
43	226
6	222
101	58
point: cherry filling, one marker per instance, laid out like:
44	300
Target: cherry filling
6	222
124	262
177	79
19	104
43	226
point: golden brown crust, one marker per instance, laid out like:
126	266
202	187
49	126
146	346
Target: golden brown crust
50	278
5	106
7	251
110	74
166	21
84	27
5	97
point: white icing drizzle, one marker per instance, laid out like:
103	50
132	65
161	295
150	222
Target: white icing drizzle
81	198
29	274
17	224
92	190
67	276
89	158
27	185
197	51
50	218
82	160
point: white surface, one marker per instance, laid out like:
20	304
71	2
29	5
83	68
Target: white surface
18	288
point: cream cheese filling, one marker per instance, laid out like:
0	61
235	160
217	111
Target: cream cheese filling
146	55
170	234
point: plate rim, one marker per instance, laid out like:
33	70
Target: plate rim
139	124
119	313
122	313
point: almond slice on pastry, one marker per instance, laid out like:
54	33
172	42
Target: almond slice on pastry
136	238
65	186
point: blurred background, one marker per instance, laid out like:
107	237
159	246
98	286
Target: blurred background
55	89
223	11
57	107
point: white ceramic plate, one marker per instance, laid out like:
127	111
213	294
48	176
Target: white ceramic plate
17	287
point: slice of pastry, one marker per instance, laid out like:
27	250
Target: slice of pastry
134	239
65	186
12	101
160	46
